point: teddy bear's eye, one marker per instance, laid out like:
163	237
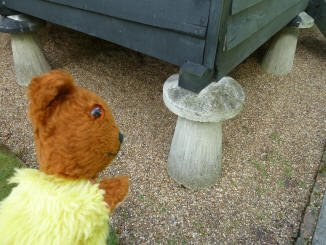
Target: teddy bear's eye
97	111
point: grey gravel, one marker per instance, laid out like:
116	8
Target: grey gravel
272	149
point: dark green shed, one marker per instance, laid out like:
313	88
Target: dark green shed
206	38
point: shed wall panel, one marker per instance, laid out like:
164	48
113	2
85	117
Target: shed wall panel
227	60
239	5
317	9
189	16
243	25
164	44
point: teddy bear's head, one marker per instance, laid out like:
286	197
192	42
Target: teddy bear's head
74	130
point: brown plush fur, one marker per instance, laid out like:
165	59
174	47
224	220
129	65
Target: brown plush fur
70	141
116	190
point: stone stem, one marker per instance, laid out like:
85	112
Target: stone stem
280	55
29	60
195	157
196	151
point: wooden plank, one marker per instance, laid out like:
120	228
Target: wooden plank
227	61
189	16
167	45
244	24
218	15
239	5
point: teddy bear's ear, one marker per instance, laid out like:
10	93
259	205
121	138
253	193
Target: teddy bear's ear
45	89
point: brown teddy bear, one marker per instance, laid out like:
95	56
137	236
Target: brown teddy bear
76	137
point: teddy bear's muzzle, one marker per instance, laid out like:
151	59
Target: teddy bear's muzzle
110	154
120	137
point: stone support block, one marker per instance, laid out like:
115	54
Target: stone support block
29	60
195	158
280	55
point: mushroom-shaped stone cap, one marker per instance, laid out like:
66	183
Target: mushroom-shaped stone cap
19	23
219	101
303	21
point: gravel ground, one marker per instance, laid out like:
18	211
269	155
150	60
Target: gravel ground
271	151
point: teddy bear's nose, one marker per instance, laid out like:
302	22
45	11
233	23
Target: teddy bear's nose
120	137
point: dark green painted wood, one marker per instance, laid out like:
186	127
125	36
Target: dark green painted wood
223	26
228	60
195	77
188	16
317	9
4	11
170	46
206	38
239	5
213	30
245	24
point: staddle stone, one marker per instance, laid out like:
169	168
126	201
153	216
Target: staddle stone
280	55
196	150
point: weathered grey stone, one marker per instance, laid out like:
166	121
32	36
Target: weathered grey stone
217	102
32	23
280	55
306	21
29	60
196	150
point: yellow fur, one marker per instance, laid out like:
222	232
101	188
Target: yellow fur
48	210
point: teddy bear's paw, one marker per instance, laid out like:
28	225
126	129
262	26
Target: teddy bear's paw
116	189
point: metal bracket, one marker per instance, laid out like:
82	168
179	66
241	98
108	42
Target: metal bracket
19	23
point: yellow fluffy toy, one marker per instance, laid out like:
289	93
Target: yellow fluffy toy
76	138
